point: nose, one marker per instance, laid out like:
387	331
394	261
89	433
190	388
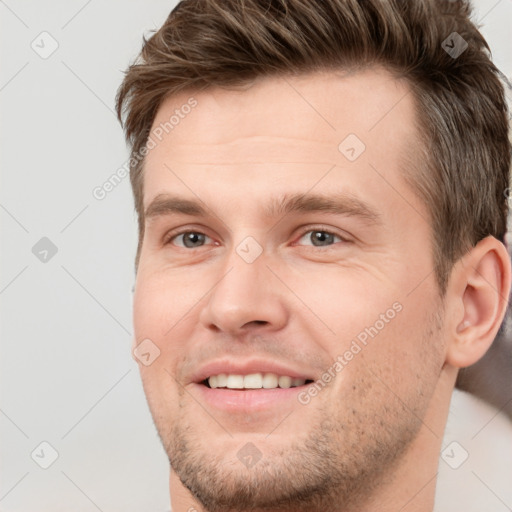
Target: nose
246	296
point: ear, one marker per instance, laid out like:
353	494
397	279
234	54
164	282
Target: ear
478	293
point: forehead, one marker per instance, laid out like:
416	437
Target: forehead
283	131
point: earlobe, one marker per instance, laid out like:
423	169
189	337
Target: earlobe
480	285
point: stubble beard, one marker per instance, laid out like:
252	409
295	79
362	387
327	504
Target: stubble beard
353	449
337	466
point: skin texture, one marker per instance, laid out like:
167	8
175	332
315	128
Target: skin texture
356	444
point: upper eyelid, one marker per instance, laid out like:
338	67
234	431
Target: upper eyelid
170	235
325	229
181	233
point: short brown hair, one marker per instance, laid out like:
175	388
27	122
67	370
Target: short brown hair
462	168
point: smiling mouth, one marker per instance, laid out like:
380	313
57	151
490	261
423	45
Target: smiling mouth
254	381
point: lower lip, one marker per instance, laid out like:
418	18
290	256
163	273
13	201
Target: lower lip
249	400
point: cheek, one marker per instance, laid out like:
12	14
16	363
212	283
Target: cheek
349	301
406	356
161	302
383	333
155	306
165	312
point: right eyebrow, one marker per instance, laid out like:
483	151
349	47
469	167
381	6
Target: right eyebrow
164	204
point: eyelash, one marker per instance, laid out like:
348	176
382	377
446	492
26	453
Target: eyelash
323	229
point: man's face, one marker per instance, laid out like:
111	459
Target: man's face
341	299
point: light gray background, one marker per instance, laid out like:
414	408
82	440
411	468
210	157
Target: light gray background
67	374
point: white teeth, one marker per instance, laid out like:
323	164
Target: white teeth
235	382
222	380
270	380
285	382
254	381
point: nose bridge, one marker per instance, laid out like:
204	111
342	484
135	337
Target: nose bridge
245	291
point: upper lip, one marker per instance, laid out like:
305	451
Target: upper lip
247	367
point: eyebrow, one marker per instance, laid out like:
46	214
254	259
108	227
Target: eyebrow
341	204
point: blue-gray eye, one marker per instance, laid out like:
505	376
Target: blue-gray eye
320	238
191	239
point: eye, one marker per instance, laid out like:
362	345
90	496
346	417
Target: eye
189	239
320	237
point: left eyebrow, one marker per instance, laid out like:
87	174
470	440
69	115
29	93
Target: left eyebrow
340	204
